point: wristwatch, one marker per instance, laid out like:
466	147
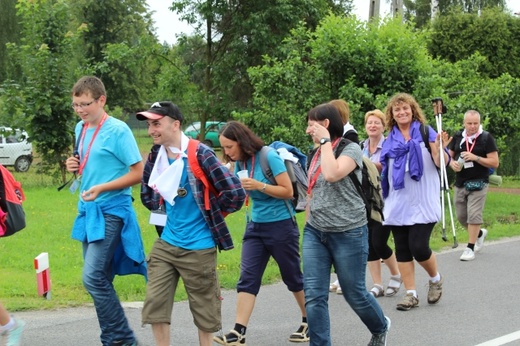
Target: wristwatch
324	140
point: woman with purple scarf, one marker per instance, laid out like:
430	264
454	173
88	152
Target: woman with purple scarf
411	189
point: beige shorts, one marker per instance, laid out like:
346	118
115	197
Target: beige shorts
166	265
469	205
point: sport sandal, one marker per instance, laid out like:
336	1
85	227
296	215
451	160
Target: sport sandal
377	291
233	338
301	335
391	290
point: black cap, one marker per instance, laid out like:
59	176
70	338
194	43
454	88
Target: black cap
161	109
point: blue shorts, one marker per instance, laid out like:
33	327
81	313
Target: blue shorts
279	239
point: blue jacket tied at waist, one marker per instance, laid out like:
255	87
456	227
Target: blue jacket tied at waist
89	226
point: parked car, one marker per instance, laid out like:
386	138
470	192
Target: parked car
15	150
212	130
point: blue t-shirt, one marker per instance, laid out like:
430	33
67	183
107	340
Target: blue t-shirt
185	225
266	208
112	153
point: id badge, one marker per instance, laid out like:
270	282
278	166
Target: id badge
468	164
74	186
158	218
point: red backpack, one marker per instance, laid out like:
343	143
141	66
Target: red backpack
199	173
12	215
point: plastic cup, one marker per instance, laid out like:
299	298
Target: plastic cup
243	174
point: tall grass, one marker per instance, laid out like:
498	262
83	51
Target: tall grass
50	215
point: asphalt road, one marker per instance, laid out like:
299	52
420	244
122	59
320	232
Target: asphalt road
480	306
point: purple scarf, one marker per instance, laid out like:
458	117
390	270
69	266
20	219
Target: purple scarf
397	148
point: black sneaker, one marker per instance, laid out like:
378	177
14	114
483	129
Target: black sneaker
380	339
233	338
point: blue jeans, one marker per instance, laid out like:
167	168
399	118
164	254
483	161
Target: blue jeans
97	279
348	252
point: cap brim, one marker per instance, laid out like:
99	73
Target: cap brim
148	115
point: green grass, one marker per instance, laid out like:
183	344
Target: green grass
50	215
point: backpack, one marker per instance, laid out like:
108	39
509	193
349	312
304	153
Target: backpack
199	174
296	170
12	215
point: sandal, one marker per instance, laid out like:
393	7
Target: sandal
301	335
391	290
233	338
377	291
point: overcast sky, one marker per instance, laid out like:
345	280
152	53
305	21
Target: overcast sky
167	24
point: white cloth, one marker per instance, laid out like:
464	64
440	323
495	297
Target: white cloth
470	138
165	178
287	155
348	127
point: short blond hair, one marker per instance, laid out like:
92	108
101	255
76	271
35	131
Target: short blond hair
376	113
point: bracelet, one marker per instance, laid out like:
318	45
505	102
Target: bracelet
263	188
478	158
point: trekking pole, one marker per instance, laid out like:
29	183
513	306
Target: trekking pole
439	108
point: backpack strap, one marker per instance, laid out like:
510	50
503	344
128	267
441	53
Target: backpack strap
357	184
425	134
268	173
198	172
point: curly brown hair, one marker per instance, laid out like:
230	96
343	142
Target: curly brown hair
417	113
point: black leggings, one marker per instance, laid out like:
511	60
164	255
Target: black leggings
412	242
378	241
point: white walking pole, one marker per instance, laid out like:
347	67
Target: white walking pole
438	109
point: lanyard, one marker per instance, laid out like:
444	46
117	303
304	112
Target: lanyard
83	162
250	175
472	145
314	177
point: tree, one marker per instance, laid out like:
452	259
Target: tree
237	35
9	32
41	101
118	46
493	34
420	11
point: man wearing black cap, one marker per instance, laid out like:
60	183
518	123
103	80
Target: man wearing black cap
187	246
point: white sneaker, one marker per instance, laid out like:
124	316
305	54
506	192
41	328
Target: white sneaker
480	241
467	255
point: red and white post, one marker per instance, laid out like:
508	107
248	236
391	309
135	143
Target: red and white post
43	276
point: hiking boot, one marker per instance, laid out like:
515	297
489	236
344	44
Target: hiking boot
380	339
13	336
435	291
409	301
467	255
301	335
480	240
233	338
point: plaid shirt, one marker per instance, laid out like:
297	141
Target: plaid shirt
231	195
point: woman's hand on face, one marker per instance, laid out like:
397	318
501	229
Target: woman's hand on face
318	131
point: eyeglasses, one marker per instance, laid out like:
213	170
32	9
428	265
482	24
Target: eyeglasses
83	105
